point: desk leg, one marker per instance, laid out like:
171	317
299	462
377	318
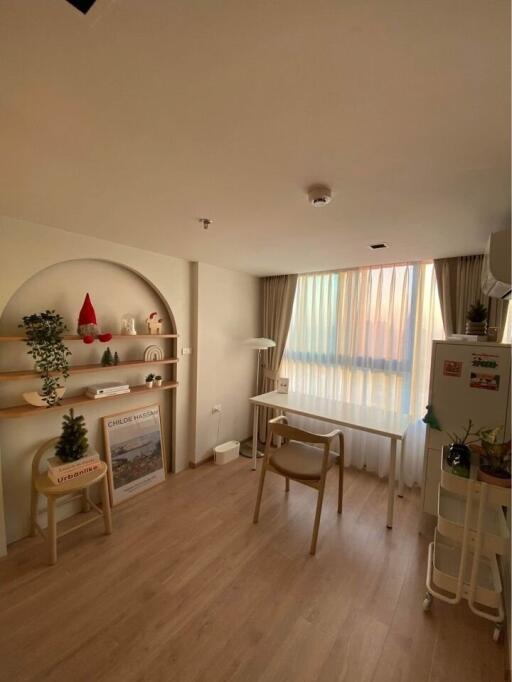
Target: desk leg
279	440
255	419
401	469
391	483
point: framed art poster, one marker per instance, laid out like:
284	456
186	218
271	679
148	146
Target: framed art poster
134	451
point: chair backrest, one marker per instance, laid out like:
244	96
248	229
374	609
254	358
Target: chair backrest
293	433
279	427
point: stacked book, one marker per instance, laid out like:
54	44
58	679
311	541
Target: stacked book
62	472
104	390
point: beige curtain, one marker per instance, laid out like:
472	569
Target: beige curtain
278	297
459	286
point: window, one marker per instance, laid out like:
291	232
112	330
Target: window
364	335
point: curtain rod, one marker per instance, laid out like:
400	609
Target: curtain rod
367	267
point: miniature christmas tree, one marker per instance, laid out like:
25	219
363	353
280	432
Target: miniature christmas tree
116	358
107	359
73	441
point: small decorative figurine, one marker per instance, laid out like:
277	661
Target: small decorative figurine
107	359
154	324
116	358
431	419
128	326
153	353
87	327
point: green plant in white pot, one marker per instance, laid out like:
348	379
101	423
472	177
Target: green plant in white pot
44	332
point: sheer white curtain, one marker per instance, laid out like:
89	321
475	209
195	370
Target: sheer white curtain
364	336
507	334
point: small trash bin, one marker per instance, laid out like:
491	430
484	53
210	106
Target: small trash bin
224	453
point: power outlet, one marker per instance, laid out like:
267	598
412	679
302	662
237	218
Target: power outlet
216	409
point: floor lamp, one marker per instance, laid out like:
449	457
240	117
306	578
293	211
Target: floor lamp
260	344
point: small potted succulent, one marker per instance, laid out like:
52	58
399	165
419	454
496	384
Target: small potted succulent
494	454
149	380
459	456
476	319
158	380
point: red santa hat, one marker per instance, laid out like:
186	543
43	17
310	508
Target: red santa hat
87	314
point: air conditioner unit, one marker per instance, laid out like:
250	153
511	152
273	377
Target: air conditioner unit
496	267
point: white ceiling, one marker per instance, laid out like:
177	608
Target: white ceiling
133	121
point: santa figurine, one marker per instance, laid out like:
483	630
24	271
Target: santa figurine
87	327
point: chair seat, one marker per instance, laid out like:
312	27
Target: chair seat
46	486
297	460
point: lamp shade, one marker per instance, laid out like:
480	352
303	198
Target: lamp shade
260	343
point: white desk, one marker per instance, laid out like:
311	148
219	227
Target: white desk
369	419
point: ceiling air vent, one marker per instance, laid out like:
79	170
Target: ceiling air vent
379	245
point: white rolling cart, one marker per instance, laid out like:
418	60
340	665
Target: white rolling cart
471	531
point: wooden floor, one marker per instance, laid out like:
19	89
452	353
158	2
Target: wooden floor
187	588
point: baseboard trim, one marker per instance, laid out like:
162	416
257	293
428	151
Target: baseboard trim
194	465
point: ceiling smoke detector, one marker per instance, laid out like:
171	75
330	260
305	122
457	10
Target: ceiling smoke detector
319	195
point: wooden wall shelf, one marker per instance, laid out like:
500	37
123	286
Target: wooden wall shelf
116	337
31	411
79	369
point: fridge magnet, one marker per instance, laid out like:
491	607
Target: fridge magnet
484	360
491	382
452	368
134	452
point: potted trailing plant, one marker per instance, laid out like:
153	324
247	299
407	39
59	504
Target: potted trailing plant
73	443
476	319
459	456
158	380
494	454
44	333
149	380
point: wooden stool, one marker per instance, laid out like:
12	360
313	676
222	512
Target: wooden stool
41	484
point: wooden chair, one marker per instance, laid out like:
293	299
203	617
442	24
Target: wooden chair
297	460
79	488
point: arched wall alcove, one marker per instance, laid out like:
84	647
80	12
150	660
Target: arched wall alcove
115	289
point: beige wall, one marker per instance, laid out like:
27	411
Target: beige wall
27	249
228	313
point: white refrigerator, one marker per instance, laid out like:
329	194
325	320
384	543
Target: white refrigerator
467	381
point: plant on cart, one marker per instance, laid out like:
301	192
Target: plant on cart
44	333
459	457
494	454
